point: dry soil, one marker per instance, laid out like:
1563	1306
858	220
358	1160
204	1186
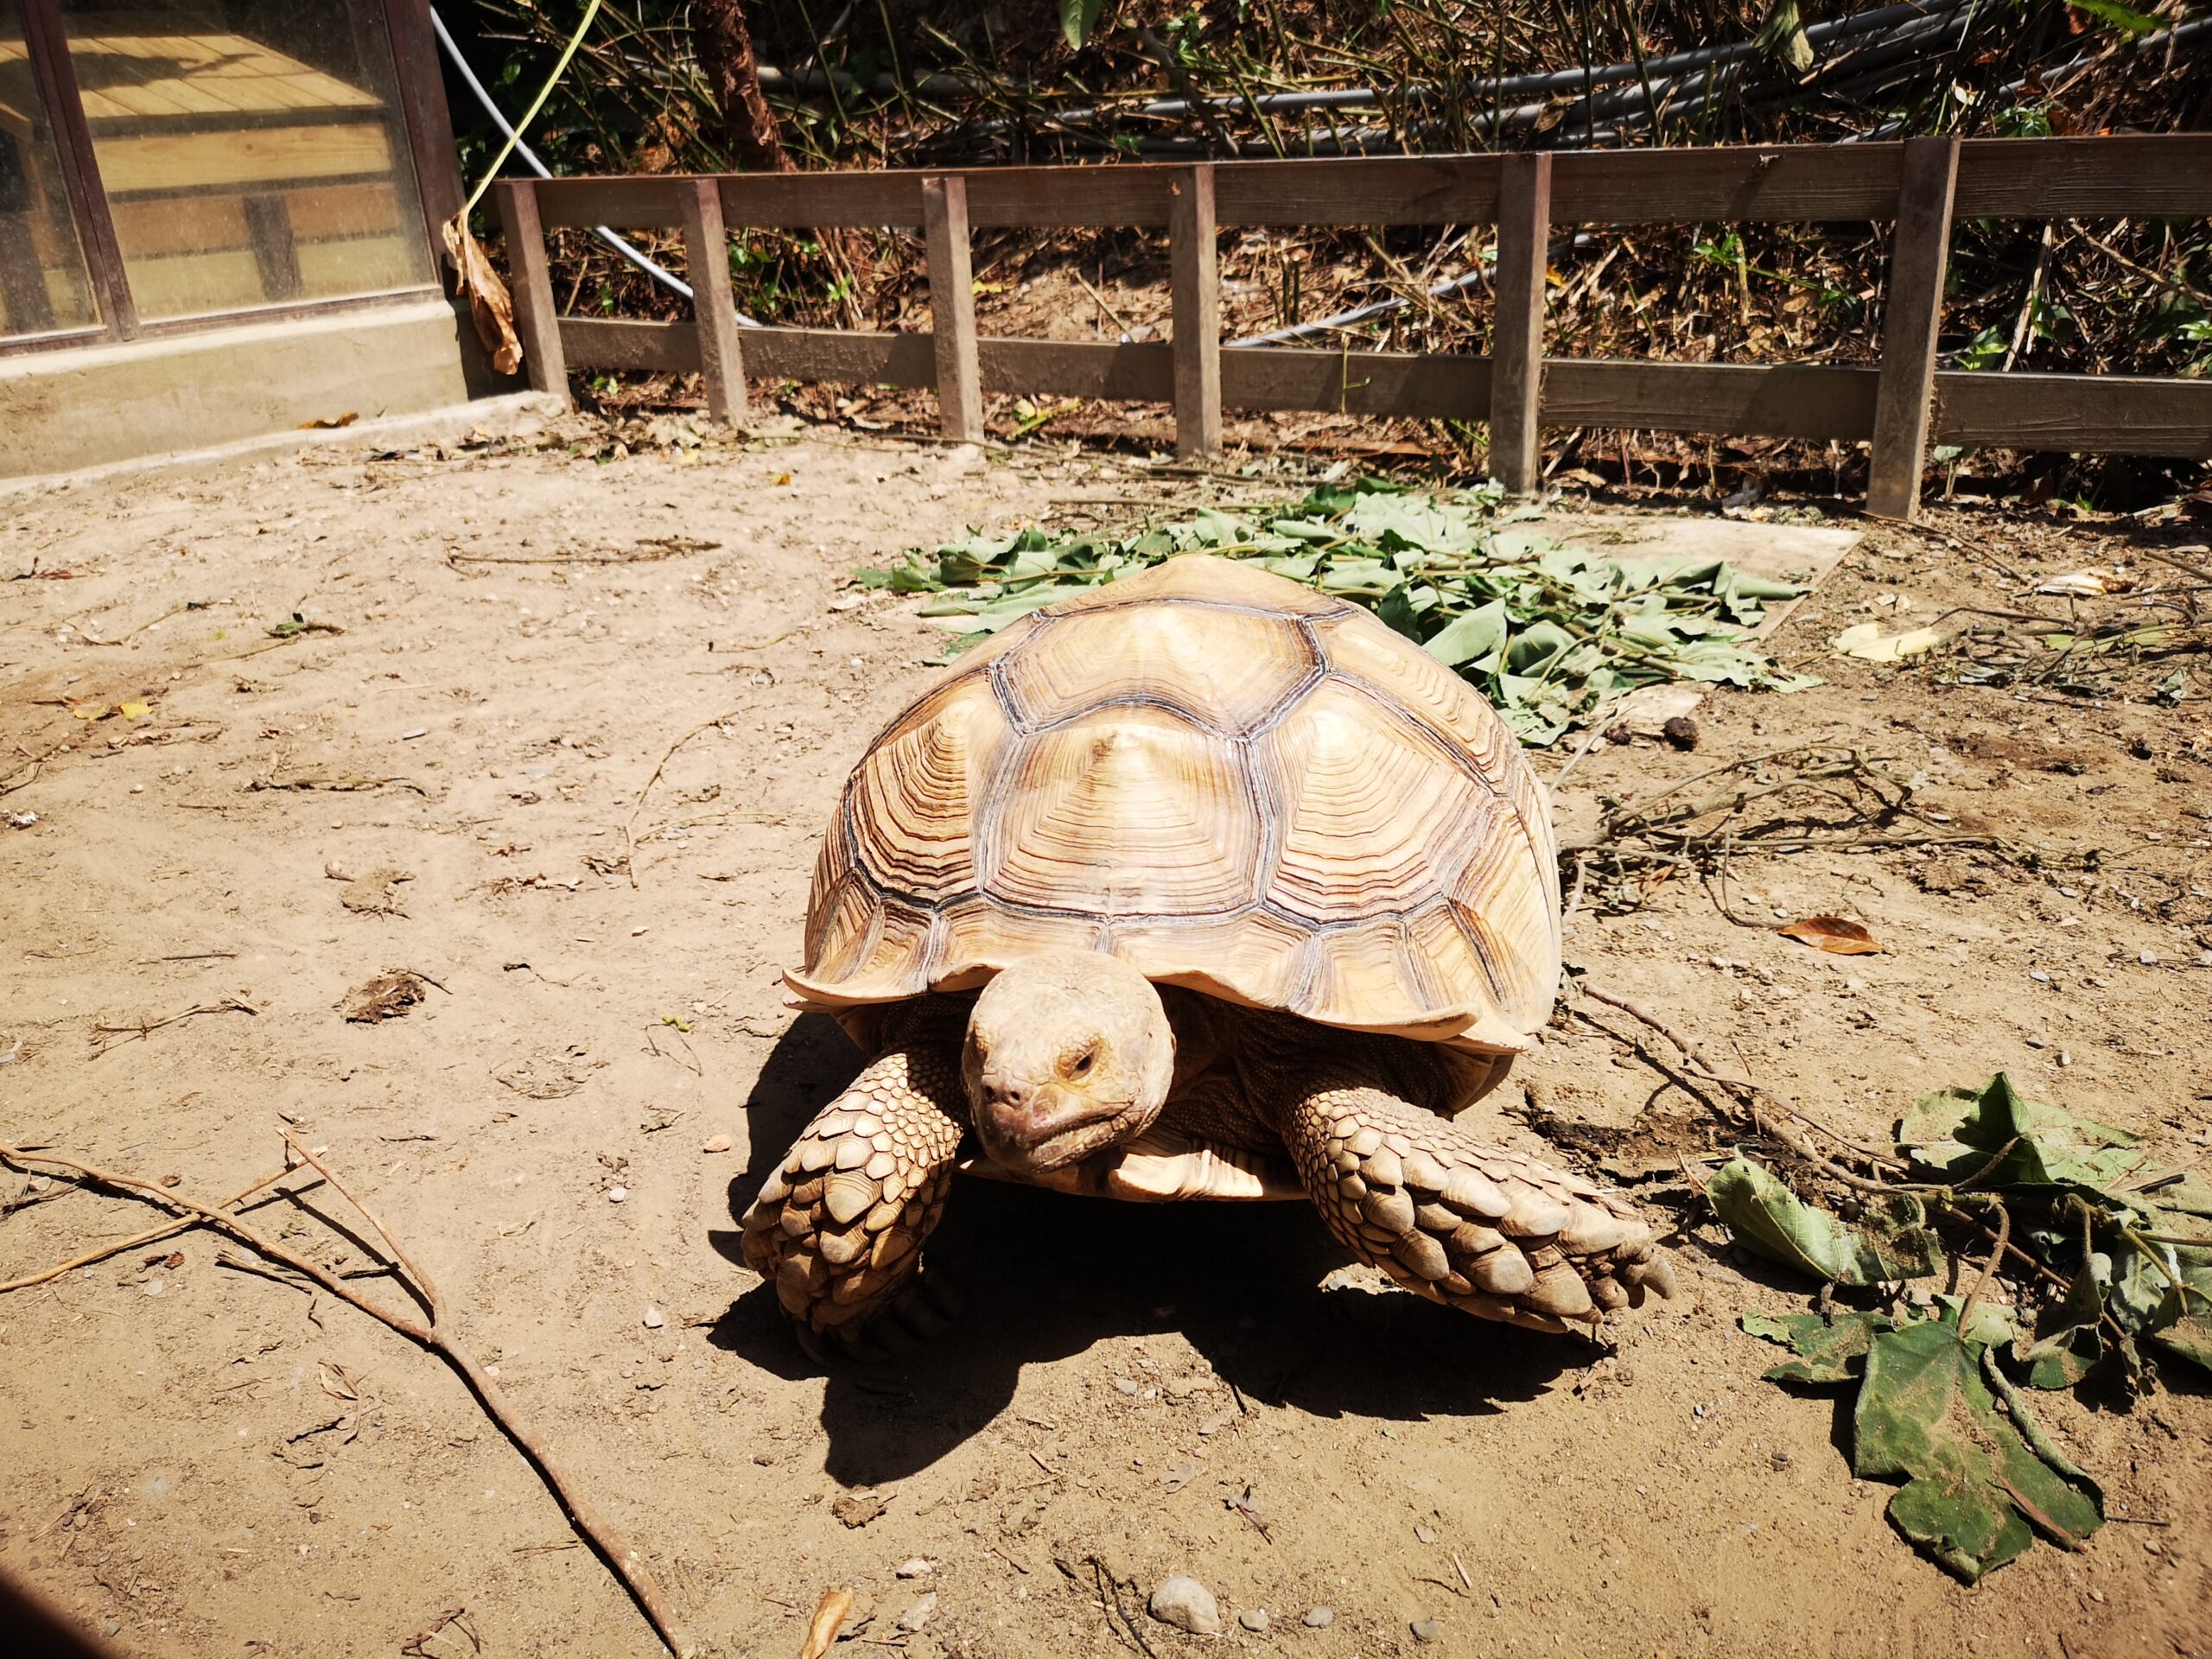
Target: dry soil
461	777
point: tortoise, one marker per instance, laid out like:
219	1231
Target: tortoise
1200	885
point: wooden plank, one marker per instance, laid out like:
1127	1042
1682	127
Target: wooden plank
1433	387
537	320
1196	300
1080	368
1382	190
1794	400
1773	182
706	254
1064	196
1518	353
2166	175
833	354
1919	249
2087	414
612	343
2169	175
626	204
952	309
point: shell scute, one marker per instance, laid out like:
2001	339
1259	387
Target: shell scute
1161	654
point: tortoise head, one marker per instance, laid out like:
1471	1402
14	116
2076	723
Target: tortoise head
1067	1052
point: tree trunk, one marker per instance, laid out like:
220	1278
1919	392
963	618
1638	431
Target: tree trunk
724	44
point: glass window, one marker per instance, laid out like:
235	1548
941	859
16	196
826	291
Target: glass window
251	150
44	285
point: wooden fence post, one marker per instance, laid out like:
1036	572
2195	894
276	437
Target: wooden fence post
953	308
706	254
1516	360
1197	299
1912	312
537	324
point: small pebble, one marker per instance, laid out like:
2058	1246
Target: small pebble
1187	1605
1426	1629
616	1194
653	1320
917	1566
1254	1619
1319	1618
2148	958
718	1143
1425	1535
919	1614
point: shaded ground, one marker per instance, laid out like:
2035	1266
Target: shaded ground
186	1467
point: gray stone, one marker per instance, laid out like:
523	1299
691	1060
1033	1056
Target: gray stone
1319	1618
1426	1630
1187	1605
1254	1619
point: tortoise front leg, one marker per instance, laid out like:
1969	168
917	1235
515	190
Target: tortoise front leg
838	1229
1468	1224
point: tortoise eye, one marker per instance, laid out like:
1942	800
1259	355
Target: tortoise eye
1079	1066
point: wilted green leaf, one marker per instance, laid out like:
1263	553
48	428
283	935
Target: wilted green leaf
2068	1344
1958	1131
1973	1485
1891	1241
1829	1350
1079	18
2126	19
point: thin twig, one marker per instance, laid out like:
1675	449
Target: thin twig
630	824
1989	1267
140	1031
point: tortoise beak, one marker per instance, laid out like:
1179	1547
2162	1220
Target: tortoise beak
1044	1129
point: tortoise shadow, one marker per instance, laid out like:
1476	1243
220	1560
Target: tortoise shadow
1047	1277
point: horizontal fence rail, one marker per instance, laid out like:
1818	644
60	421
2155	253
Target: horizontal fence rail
1921	185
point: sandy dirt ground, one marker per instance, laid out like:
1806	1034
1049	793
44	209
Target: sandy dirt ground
461	781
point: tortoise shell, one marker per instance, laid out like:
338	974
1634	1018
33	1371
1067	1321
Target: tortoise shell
1235	784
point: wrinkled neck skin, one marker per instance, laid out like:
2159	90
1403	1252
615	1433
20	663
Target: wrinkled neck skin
1065	1053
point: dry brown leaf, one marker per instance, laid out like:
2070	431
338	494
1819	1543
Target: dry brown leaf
829	1616
1833	935
336	1381
490	306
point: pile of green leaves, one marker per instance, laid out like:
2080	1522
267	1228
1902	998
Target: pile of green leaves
1942	1380
1549	634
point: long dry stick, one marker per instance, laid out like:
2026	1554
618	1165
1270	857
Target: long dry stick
619	1558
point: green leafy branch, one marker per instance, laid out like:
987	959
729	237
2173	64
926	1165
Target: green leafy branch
1549	635
2118	1260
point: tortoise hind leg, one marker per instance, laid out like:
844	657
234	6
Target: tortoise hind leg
1462	1222
838	1229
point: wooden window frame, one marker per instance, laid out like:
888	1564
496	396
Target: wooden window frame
423	114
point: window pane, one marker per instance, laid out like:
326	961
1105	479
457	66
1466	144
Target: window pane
251	151
43	283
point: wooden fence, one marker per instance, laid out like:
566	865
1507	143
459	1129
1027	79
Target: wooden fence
1920	185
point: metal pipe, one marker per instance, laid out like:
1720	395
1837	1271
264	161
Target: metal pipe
629	251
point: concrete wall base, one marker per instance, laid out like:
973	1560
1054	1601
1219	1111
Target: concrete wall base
64	411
